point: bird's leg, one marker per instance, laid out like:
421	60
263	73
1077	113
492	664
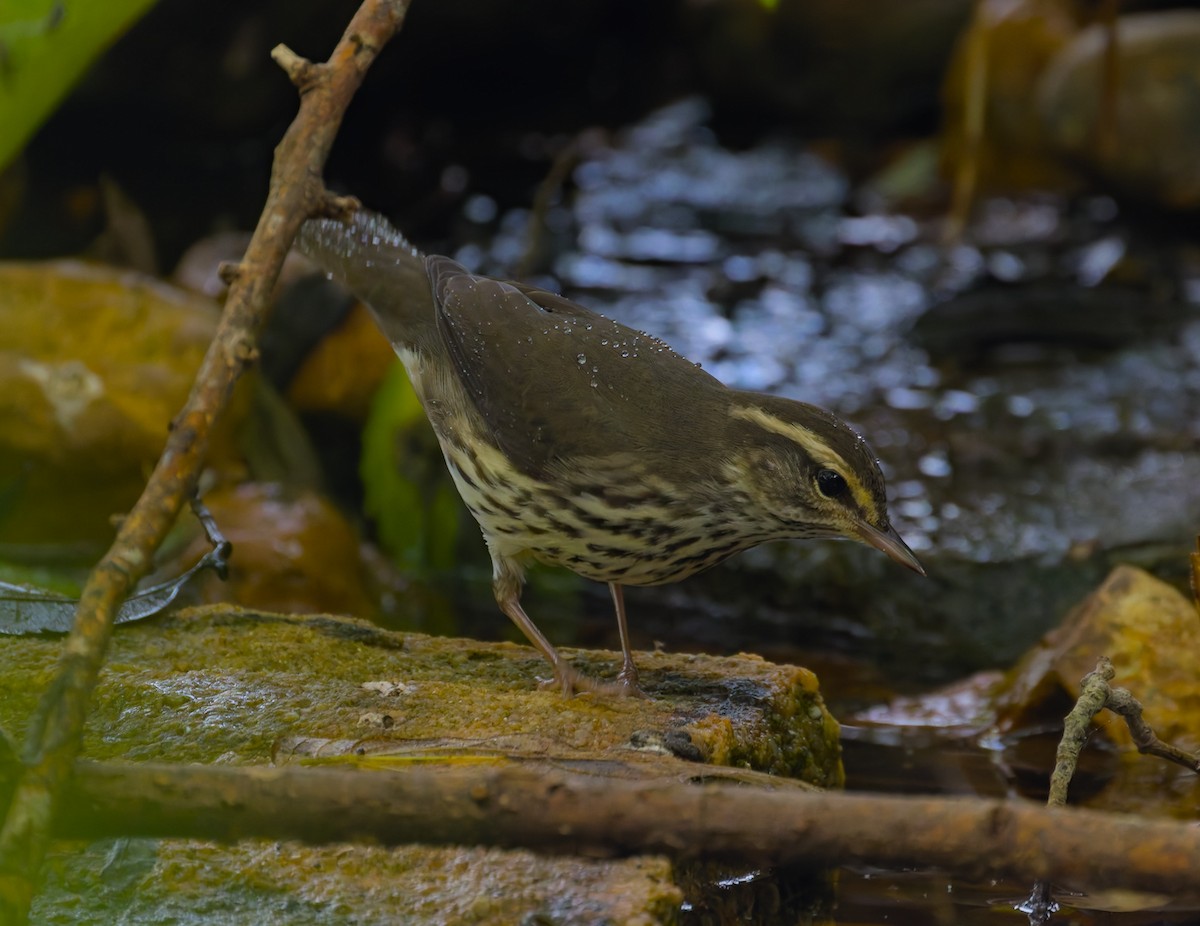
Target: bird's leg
508	597
506	585
628	676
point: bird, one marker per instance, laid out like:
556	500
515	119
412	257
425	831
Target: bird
579	442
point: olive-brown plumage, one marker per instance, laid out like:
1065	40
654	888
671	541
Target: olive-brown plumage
579	442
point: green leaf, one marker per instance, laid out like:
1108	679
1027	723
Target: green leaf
65	581
45	46
408	492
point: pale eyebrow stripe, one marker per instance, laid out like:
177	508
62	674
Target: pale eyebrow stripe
812	445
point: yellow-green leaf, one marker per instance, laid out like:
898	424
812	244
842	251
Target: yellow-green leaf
408	491
45	45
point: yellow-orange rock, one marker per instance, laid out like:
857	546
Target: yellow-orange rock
1152	635
293	552
94	363
344	369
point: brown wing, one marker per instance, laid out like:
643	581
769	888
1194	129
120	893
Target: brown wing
555	381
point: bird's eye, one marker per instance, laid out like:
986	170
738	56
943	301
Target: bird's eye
832	484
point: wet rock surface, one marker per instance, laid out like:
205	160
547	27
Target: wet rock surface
219	685
1031	390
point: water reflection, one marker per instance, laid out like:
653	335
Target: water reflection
999	408
1032	391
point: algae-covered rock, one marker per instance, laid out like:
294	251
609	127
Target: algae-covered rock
189	883
221	685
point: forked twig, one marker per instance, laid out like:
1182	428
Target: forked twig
1095	695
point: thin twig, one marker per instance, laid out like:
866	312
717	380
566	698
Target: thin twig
1077	727
1110	65
1120	701
1094	696
1040	906
977	52
1194	574
296	192
222	549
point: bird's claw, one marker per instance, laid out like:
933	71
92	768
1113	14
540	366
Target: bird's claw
571	681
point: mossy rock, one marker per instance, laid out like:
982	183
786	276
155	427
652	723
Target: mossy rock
216	684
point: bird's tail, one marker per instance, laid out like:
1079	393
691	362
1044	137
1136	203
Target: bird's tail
375	262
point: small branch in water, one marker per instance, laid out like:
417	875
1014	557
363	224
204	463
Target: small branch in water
1120	701
1095	695
1077	728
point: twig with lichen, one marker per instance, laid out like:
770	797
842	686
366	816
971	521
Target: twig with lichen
1095	695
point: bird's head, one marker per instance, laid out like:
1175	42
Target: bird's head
811	473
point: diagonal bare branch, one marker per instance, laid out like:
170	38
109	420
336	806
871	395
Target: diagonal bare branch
296	191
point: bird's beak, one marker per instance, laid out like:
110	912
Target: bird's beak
890	543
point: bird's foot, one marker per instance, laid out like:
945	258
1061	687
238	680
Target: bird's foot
571	681
627	678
